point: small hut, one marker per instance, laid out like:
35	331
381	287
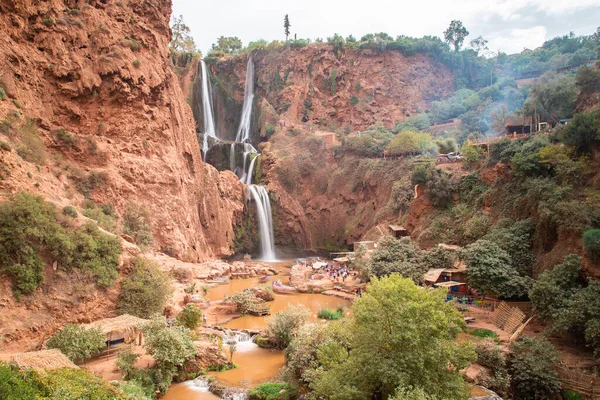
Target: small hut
43	360
122	329
398	231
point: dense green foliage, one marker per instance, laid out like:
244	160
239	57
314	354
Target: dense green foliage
591	243
77	342
553	288
532	366
284	325
136	223
145	290
190	317
490	270
272	391
401	256
31	235
57	384
331	314
401	337
126	361
170	347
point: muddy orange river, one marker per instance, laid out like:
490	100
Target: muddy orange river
255	365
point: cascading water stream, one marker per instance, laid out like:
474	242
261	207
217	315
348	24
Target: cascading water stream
200	384
243	133
265	221
243	341
207	110
248	178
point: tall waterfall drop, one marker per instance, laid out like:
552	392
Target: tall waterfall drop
243	133
207	109
265	221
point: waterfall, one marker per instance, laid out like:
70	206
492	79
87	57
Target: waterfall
250	174
200	384
207	109
265	221
244	341
243	133
232	165
235	394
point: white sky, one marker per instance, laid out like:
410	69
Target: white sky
509	25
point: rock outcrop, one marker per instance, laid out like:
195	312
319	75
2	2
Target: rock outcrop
95	78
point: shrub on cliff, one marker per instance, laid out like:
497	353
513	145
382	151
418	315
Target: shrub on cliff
29	228
77	342
398	256
591	243
145	290
490	270
136	223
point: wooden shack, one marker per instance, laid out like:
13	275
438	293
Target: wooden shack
43	360
398	231
122	329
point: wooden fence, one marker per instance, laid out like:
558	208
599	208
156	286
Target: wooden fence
588	385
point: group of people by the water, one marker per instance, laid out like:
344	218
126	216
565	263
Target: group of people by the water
337	273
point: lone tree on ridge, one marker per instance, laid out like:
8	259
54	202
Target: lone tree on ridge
286	26
456	34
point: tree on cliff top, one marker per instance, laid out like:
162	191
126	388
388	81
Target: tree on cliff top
286	26
456	34
182	40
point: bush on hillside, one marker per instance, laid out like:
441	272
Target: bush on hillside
591	243
532	366
583	132
145	290
490	270
190	317
31	147
440	188
283	327
104	214
136	223
70	211
29	228
77	342
552	290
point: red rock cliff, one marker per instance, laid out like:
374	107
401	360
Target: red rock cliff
99	70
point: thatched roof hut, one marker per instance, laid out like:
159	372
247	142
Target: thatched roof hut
44	359
123	324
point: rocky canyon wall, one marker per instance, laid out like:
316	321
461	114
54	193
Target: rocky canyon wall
307	97
95	78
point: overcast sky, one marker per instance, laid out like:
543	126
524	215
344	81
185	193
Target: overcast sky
508	25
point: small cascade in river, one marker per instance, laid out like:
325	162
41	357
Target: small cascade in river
243	133
200	384
207	109
244	341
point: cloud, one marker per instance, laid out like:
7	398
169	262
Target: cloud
509	25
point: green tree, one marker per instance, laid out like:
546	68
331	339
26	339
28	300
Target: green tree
136	223
169	346
228	45
190	316
77	342
398	256
284	325
552	97
286	26
583	132
401	336
145	290
479	44
490	270
456	34
440	188
404	143
126	362
16	384
591	243
552	290
181	40
532	366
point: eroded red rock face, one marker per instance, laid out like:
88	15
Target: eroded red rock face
100	71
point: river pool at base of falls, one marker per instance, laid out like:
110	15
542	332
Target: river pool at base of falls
255	365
